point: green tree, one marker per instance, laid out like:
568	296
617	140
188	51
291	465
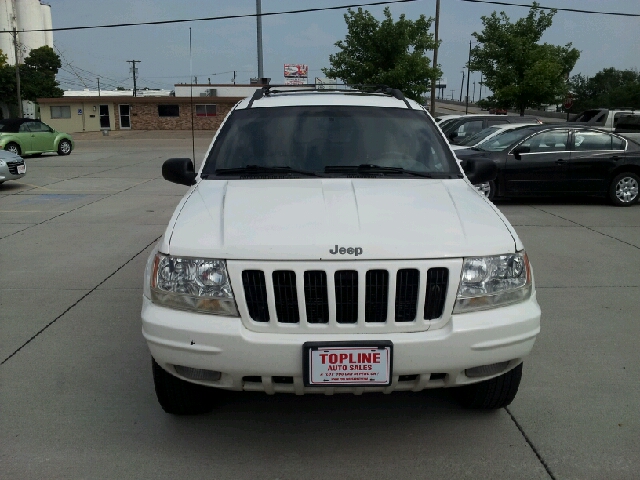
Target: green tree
519	70
7	81
38	74
609	88
385	53
3	59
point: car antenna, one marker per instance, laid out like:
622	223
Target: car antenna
193	134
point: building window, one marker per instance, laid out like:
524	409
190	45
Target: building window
206	110
61	112
168	110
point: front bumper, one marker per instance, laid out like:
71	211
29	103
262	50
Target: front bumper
427	359
6	174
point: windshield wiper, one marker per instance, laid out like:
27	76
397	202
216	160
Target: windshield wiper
259	169
367	168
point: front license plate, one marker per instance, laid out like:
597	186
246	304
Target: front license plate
22	169
348	363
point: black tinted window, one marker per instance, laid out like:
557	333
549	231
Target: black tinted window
168	110
312	138
584	140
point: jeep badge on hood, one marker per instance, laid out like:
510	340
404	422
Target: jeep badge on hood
348	250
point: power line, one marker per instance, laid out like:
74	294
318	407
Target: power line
317	9
572	10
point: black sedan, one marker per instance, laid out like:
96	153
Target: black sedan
561	159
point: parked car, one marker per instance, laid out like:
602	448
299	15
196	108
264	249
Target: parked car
561	160
12	166
498	111
328	244
443	118
26	136
468	125
487	134
622	121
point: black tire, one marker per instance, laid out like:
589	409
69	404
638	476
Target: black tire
179	397
13	147
64	147
491	394
623	189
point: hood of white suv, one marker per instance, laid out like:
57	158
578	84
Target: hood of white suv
337	219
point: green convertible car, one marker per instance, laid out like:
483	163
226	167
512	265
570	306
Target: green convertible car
26	136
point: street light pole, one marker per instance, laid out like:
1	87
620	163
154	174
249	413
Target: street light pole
259	42
462	85
473	96
466	108
481	82
435	61
15	46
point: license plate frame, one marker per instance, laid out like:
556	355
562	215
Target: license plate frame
309	361
21	169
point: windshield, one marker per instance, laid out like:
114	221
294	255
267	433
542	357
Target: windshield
504	140
312	138
478	137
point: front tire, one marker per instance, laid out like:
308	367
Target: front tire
179	397
64	147
623	190
488	189
492	394
13	148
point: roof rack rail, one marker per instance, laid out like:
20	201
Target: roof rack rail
385	90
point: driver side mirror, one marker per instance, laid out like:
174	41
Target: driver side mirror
452	136
180	171
479	170
519	150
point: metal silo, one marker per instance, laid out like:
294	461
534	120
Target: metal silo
47	23
7	22
29	17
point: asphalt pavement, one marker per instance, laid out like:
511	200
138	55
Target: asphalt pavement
76	393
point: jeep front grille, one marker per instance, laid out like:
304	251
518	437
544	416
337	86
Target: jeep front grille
304	295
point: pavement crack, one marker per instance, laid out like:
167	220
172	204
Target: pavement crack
77	302
585	226
531	445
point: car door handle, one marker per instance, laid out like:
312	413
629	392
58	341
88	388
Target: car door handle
615	158
560	161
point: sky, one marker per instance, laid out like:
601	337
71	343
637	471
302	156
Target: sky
219	47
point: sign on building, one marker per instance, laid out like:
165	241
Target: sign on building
295	74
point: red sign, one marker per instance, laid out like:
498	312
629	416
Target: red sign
568	101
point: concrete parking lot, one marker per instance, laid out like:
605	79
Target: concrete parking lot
76	393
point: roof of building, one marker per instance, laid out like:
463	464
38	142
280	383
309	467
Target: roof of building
138	100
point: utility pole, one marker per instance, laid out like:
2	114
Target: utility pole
98	85
133	69
481	82
462	85
473	96
259	35
466	108
435	61
234	77
452	90
15	47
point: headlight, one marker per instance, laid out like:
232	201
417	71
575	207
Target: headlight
489	282
200	285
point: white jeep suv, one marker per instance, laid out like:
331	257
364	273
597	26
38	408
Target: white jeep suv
331	243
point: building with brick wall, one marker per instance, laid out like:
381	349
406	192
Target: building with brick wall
95	113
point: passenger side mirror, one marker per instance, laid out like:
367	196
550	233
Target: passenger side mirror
479	170
519	150
180	171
